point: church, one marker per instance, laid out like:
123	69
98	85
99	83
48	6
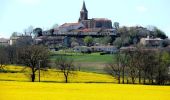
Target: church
94	22
95	27
85	24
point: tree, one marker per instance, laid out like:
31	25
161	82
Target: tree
123	41
3	58
88	40
14	34
103	40
116	25
24	41
162	67
139	61
124	62
115	67
146	61
150	65
37	32
152	70
74	42
12	54
118	42
132	66
65	66
118	67
106	40
55	26
28	31
159	33
30	56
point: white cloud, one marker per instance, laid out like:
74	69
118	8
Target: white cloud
141	8
29	2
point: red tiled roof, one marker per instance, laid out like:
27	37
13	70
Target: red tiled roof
69	24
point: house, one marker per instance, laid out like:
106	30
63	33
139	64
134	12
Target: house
95	27
82	49
129	48
4	42
70	26
52	42
154	42
106	49
23	39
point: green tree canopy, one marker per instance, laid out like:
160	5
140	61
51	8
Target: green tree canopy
88	40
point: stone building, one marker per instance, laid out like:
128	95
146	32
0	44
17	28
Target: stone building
94	22
4	42
154	42
21	40
86	26
95	27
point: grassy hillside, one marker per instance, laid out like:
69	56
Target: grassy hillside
80	91
88	62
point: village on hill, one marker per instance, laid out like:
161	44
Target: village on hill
90	35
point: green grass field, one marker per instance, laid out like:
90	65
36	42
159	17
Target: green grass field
80	91
89	62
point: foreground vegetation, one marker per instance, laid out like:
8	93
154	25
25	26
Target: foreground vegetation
80	91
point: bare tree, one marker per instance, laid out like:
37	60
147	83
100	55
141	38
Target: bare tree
152	63
115	67
124	61
146	61
139	61
132	66
12	54
30	56
28	31
65	66
3	58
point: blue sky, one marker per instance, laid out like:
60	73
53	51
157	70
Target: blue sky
16	15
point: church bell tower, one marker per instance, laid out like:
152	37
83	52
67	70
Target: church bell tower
83	13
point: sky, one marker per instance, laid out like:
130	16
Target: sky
17	15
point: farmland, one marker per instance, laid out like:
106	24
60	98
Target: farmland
83	85
16	73
80	91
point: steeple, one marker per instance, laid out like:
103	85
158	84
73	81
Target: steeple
84	7
83	13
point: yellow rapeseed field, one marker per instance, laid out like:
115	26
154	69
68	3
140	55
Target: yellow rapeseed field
80	91
53	76
16	86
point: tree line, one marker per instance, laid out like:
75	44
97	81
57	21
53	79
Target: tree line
141	65
35	57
